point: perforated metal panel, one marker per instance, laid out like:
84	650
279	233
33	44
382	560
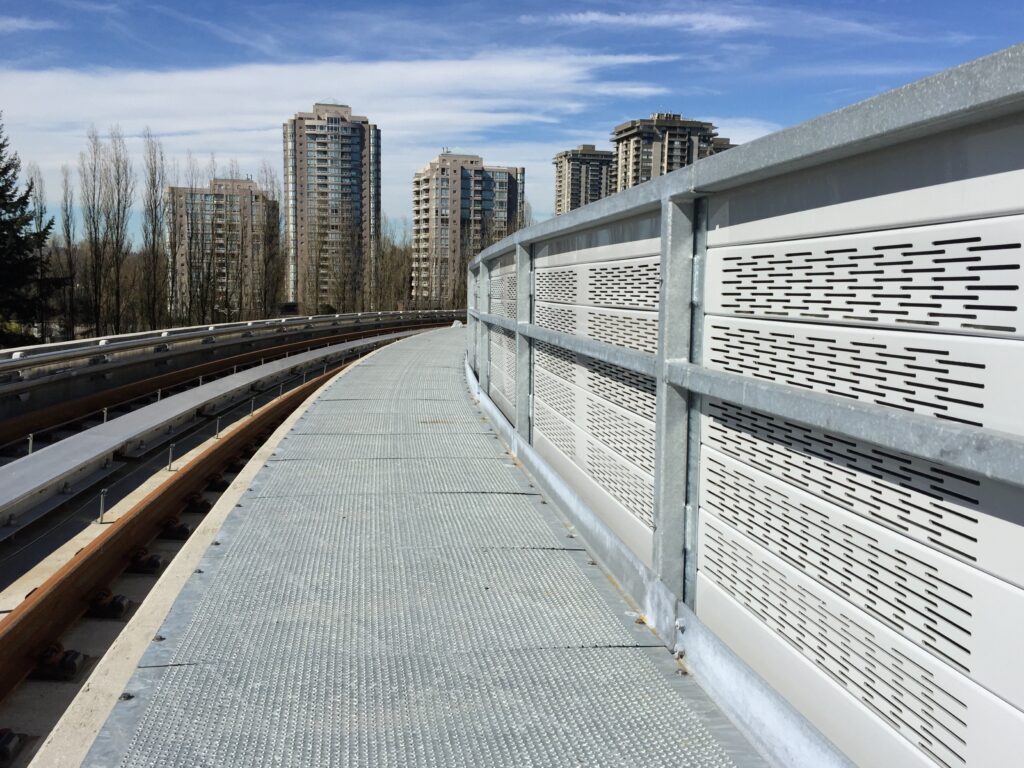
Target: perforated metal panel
960	277
626	284
963	516
897	579
635	330
602	418
959	378
901	692
591	293
502	351
502	287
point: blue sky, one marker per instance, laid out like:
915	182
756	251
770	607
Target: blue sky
513	82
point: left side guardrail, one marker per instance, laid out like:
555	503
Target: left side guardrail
32	485
55	374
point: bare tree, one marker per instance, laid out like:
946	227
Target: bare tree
394	264
68	263
206	283
198	245
229	267
154	221
176	299
526	218
90	177
269	267
118	195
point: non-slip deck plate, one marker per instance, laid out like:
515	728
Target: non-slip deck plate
363	608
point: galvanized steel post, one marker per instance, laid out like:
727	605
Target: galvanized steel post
524	314
483	305
672	414
696	355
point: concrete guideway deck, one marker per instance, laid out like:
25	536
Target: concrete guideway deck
392	590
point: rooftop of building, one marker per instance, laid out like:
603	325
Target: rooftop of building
661	120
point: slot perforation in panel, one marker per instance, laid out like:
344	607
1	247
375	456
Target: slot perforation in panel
950	511
962	276
913	595
913	698
956	378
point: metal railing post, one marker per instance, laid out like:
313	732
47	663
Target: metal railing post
671	505
483	304
471	324
696	355
524	372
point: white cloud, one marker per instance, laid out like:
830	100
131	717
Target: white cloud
695	21
858	69
739	19
237	111
11	24
740	130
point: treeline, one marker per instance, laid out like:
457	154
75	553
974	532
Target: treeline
118	257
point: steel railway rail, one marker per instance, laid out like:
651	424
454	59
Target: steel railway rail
34	487
49	376
23	433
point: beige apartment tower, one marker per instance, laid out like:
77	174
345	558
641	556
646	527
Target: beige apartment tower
582	175
332	208
223	241
647	148
459	207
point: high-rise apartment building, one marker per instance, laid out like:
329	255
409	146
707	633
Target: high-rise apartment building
582	175
332	207
460	206
219	237
652	147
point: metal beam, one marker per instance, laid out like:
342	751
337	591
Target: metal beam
630	359
524	371
672	406
984	452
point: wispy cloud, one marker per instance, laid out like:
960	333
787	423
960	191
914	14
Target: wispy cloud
738	19
257	39
92	7
690	21
476	102
9	24
856	69
740	130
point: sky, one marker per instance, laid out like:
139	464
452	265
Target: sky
512	82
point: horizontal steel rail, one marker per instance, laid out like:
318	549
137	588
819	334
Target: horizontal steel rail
70	409
23	359
66	350
986	452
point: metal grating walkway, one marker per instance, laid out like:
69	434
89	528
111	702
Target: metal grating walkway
393	591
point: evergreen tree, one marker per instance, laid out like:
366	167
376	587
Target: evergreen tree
22	278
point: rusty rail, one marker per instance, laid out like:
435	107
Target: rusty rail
51	609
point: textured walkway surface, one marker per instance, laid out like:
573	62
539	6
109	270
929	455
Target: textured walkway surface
393	591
